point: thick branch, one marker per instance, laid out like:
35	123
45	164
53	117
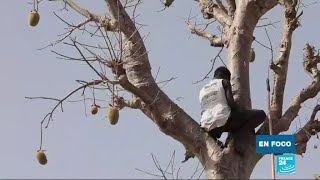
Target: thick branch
221	6
309	92
265	6
211	10
231	7
135	103
281	65
310	61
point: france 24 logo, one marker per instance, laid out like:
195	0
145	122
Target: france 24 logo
285	164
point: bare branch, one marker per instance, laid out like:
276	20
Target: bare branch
80	52
148	173
49	116
69	32
165	171
82	11
46	98
310	61
213	39
305	133
110	24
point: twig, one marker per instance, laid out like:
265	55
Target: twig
80	52
148	173
68	33
212	66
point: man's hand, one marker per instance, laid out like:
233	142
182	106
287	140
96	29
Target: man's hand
228	91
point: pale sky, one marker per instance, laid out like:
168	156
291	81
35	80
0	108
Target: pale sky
80	146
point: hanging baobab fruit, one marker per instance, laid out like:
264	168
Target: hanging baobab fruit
113	112
113	115
94	109
41	157
252	55
34	16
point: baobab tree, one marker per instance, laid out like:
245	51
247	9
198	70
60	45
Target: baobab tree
125	54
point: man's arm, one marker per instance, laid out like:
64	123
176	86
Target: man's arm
228	91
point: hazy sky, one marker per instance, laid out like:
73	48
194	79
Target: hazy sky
80	146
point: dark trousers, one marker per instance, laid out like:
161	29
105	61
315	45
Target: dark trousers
240	120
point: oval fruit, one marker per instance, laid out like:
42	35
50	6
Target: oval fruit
34	18
94	109
168	3
113	115
252	55
42	158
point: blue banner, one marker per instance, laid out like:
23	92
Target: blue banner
267	144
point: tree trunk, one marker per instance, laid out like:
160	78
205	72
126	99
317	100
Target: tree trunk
229	164
239	44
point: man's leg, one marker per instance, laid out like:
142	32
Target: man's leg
255	118
240	124
234	122
246	120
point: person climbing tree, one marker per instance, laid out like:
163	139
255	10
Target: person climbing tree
220	113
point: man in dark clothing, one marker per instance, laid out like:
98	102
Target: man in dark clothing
219	111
